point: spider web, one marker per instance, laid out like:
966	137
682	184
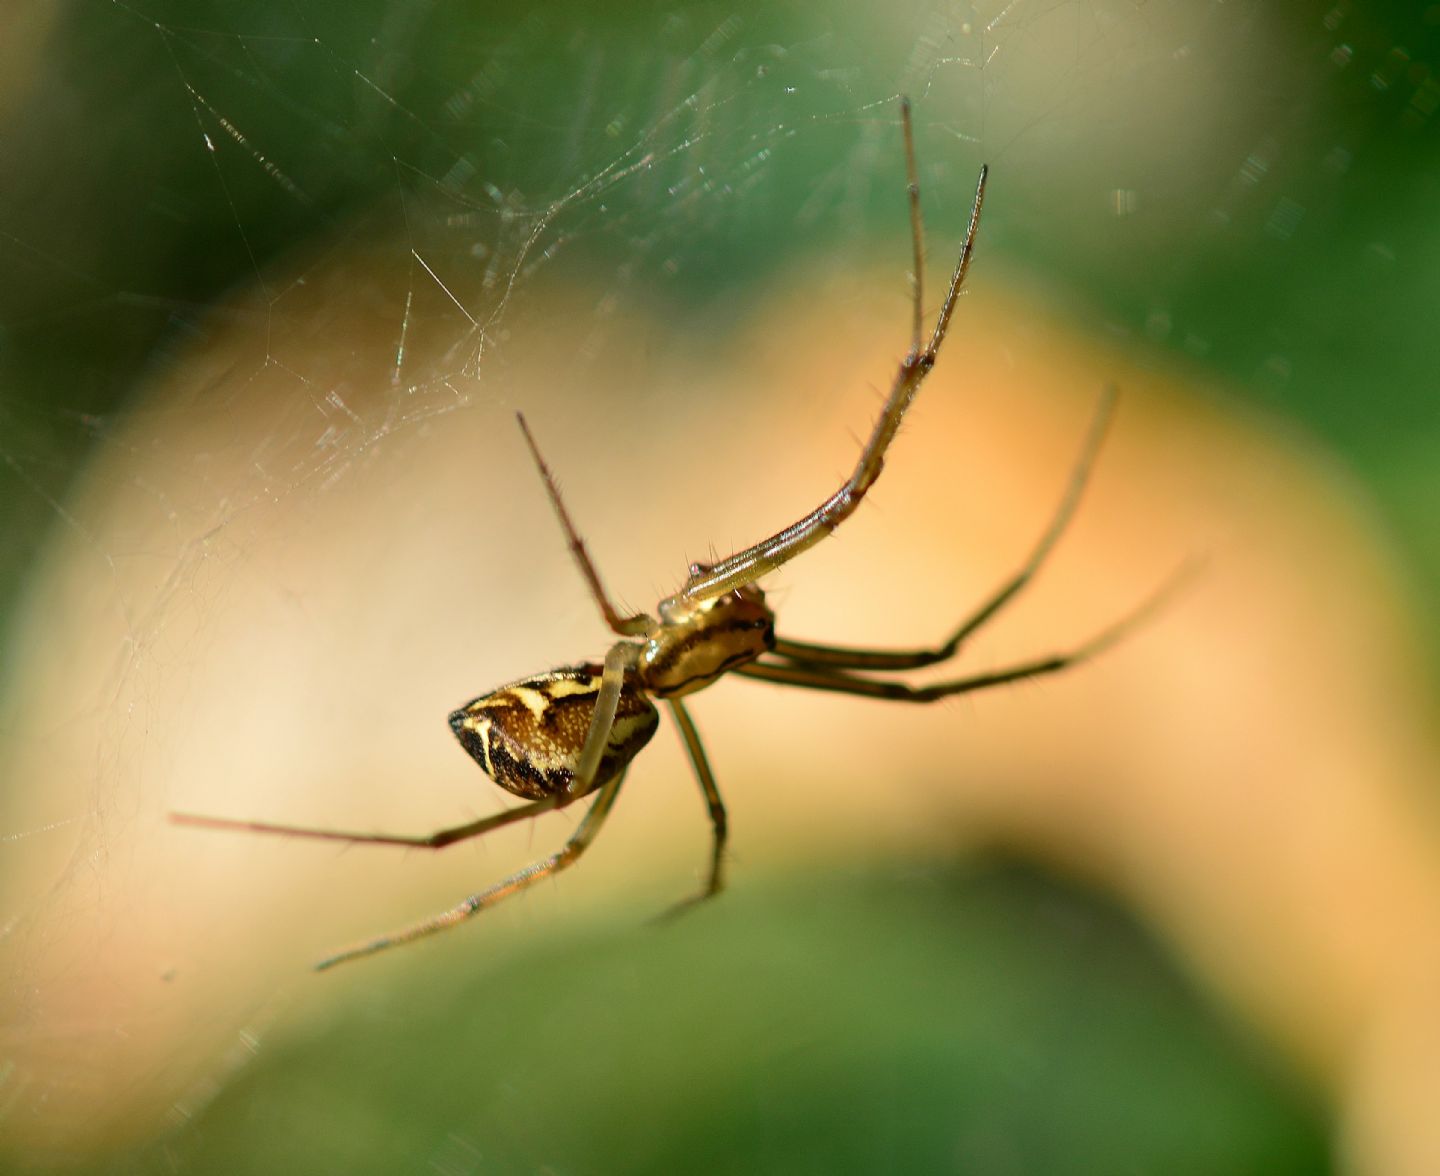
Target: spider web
265	263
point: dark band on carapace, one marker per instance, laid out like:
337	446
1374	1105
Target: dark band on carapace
672	654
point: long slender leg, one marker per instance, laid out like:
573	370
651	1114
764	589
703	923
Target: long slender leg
718	820
917	234
624	626
437	840
521	880
841	682
747	566
841	657
607	700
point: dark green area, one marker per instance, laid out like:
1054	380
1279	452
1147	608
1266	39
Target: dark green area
987	1021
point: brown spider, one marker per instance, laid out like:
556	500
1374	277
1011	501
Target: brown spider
573	731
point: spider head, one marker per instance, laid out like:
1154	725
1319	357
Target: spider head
689	650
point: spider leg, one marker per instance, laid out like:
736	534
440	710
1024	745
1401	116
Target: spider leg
625	626
917	234
718	820
814	677
436	840
579	841
747	566
621	657
842	682
840	657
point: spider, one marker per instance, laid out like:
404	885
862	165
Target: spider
572	732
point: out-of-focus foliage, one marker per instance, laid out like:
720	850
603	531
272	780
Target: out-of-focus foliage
975	1022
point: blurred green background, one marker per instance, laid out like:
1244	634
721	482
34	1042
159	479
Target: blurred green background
157	155
988	1021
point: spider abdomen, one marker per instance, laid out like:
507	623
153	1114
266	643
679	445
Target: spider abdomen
527	736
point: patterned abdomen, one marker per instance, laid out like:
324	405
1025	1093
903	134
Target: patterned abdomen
528	735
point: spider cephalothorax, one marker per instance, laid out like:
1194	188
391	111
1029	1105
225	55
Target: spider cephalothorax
708	640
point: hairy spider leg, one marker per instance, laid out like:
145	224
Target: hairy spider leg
847	658
719	823
437	840
632	626
917	234
521	880
815	677
623	655
747	566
